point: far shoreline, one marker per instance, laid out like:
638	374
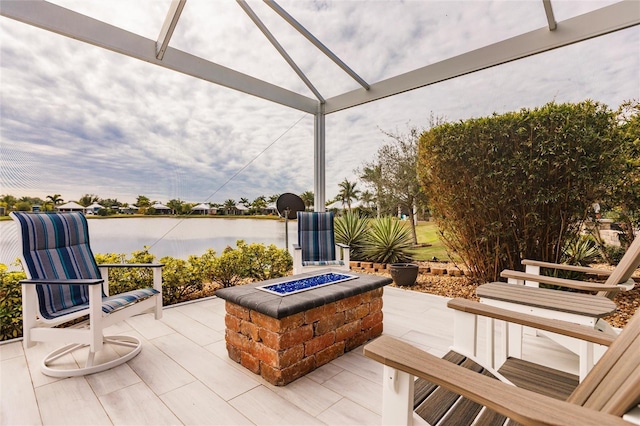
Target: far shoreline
171	216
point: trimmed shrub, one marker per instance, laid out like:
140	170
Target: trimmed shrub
517	185
229	268
10	303
264	262
182	280
127	279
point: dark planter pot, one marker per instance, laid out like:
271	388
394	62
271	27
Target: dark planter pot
404	274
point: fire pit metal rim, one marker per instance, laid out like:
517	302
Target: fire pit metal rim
298	285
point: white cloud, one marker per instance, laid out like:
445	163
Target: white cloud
77	119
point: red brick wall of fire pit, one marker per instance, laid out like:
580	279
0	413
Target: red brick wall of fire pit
282	350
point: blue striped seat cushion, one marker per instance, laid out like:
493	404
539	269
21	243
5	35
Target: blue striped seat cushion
323	263
56	246
112	303
316	236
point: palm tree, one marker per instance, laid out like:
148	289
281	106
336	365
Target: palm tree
55	199
230	205
348	192
8	201
143	202
87	199
372	173
367	198
308	199
259	204
273	198
176	206
245	202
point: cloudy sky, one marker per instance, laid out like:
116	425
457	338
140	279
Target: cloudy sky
77	119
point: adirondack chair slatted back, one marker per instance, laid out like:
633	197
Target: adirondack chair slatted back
316	236
613	385
56	246
627	266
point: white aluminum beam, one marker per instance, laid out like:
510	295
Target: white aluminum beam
319	169
317	43
169	25
615	17
548	10
71	24
256	20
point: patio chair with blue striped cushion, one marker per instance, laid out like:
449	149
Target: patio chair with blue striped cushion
64	283
316	248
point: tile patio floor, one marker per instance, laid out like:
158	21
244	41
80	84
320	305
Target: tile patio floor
183	375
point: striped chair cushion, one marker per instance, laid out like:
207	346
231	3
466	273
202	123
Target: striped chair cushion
316	236
56	246
323	263
112	303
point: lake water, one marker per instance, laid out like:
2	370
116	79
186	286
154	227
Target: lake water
167	236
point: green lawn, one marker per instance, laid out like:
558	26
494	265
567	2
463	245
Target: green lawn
428	233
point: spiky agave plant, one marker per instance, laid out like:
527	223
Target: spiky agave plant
581	250
351	229
389	241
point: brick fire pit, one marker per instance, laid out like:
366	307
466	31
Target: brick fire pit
283	338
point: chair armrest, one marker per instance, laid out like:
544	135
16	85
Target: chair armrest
586	333
562	282
130	265
296	246
564	267
521	405
78	281
344	246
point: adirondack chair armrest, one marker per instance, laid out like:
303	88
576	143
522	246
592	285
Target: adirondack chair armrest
296	247
344	246
565	267
523	406
626	286
97	281
582	332
562	282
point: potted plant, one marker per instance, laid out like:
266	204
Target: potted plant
404	274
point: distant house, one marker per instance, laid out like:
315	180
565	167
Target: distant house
202	209
161	208
240	209
93	208
128	210
270	209
71	206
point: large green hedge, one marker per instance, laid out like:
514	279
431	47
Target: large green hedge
518	185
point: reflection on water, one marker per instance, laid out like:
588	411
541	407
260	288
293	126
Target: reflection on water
167	236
